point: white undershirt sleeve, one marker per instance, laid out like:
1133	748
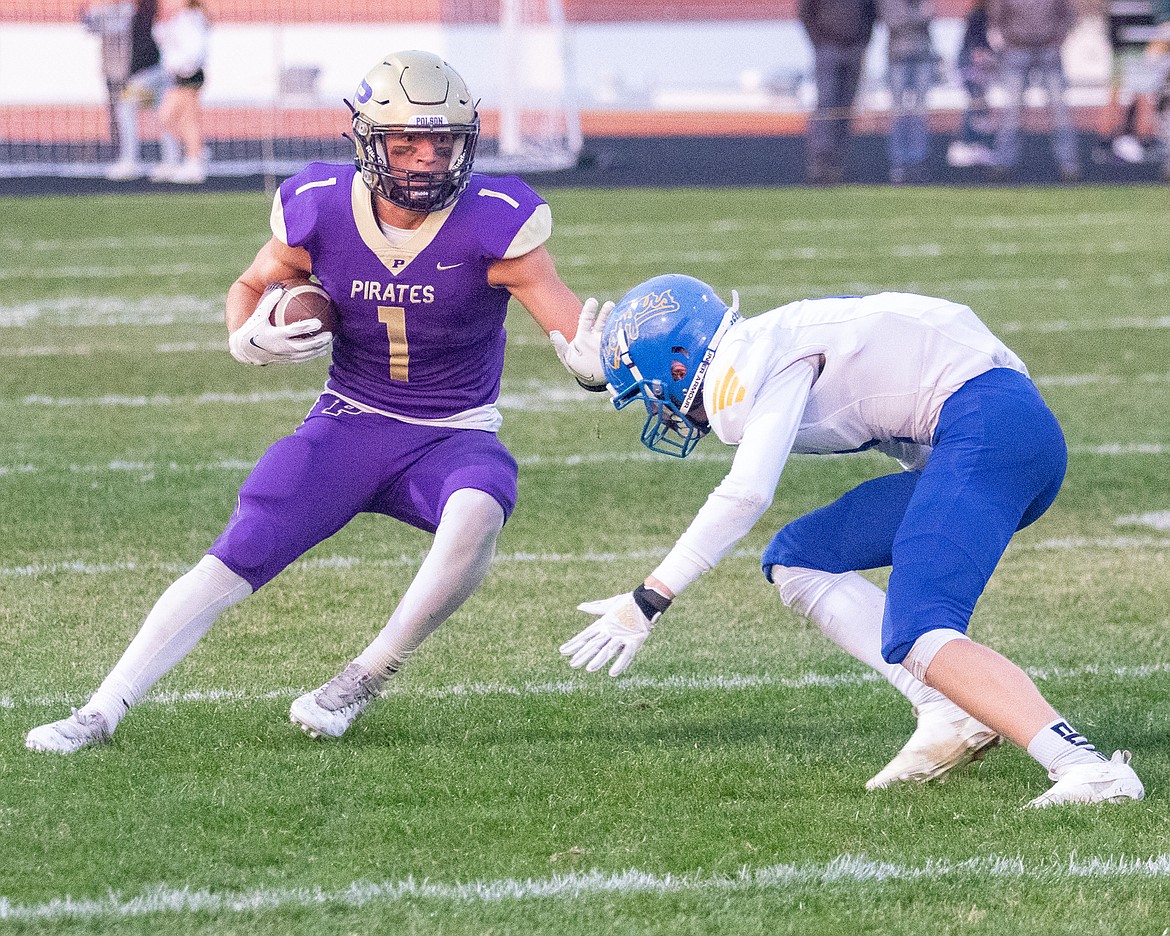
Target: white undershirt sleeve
742	497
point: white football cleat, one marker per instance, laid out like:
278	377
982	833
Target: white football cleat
946	738
79	730
332	708
1107	781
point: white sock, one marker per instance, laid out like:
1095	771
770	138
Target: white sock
180	617
170	150
848	609
1058	746
457	563
127	116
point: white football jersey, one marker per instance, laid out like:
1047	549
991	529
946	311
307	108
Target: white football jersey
821	376
887	363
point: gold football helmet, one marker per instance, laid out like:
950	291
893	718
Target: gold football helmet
414	92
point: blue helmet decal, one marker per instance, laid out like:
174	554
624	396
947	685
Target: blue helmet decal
364	92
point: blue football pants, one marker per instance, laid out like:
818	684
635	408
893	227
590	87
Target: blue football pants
997	463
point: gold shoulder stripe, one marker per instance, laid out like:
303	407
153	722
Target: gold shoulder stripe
729	390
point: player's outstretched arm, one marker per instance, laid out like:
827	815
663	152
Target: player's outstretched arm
252	338
625	623
532	279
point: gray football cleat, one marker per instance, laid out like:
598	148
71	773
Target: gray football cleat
332	708
1107	781
79	730
946	738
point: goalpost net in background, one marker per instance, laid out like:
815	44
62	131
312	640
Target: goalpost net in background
277	74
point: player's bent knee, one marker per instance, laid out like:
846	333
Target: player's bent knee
923	650
247	547
474	512
784	551
215	572
800	589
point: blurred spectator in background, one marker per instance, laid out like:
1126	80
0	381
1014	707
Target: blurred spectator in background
1128	124
1159	49
110	22
839	31
1032	32
144	89
977	68
182	41
911	74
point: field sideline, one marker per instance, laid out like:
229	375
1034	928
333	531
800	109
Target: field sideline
718	787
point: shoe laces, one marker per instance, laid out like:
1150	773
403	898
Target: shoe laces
352	686
88	720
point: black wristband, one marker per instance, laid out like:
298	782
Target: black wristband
651	603
592	388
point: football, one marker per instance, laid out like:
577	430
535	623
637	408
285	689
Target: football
303	299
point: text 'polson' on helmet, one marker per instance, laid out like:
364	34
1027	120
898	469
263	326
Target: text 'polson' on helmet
414	92
656	347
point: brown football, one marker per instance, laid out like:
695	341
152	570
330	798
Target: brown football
303	299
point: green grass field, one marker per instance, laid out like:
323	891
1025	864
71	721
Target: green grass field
718	787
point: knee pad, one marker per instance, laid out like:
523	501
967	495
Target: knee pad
923	650
472	514
801	589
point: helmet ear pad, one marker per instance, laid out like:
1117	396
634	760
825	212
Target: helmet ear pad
415	93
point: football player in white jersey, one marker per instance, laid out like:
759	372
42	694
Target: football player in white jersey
920	379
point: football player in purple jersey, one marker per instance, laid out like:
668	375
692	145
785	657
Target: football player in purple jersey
421	256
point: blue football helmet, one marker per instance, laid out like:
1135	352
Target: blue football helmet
656	347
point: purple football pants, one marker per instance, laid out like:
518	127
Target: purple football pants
341	462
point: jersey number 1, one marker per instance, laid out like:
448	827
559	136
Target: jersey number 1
394	318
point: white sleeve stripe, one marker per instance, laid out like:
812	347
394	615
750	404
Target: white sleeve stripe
321	183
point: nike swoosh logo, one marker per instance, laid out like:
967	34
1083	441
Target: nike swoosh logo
447	266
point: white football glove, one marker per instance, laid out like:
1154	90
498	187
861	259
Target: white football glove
619	632
260	342
582	355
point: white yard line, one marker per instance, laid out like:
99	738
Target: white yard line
548	399
98	271
1157	520
86	350
149	469
326	563
724	682
842	871
14	243
91	311
1055	326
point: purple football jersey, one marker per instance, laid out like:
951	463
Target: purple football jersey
421	331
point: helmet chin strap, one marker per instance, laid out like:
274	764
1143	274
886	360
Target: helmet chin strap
730	317
624	350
